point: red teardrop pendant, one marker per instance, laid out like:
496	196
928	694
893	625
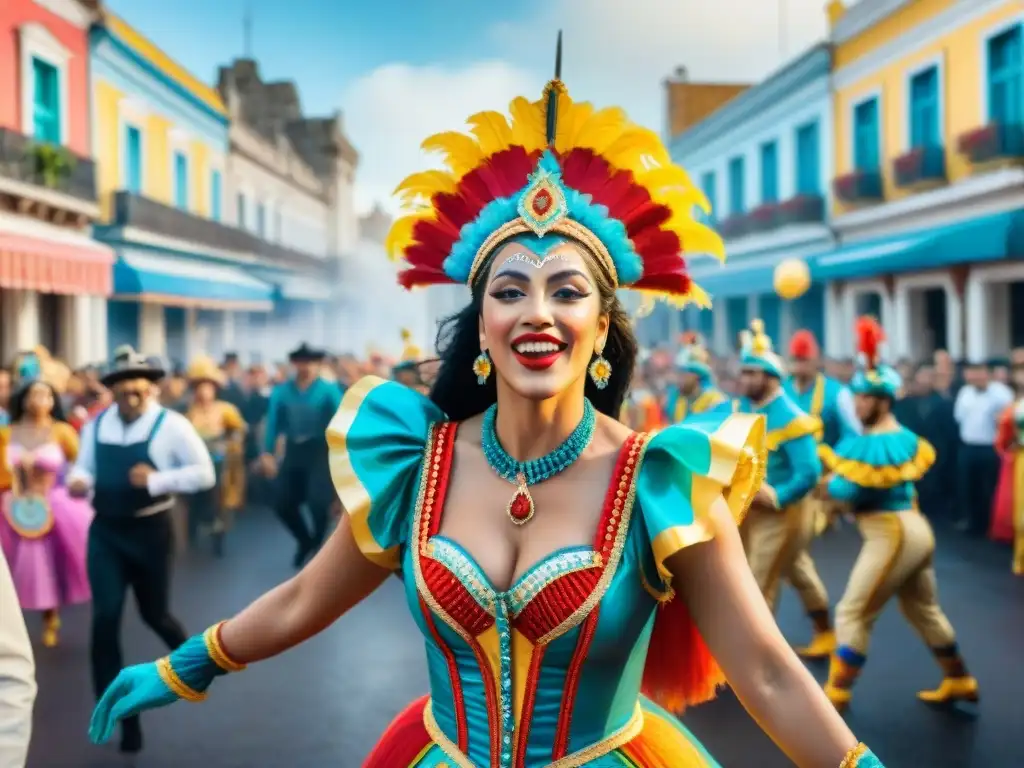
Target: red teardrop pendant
520	508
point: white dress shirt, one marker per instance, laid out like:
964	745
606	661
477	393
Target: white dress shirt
178	453
17	676
977	412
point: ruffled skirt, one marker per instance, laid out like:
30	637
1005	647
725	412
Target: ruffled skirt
664	742
50	571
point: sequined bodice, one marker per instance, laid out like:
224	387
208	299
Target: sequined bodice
513	678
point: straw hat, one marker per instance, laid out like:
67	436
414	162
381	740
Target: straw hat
204	369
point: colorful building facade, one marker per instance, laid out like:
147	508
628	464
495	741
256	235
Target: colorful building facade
54	278
928	202
161	143
763	160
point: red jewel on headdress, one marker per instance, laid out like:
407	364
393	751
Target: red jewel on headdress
541	202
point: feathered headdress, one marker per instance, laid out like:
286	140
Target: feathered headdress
756	351
410	352
874	377
561	167
694	357
803	346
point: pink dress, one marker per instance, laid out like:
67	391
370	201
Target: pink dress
44	537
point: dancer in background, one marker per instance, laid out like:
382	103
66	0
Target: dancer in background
407	370
1008	506
43	530
17	677
295	450
221	426
694	391
777	539
874	474
135	457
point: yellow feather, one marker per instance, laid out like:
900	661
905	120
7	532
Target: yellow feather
682	201
668	176
635	144
571	118
528	128
492	132
698	239
601	129
400	235
461	152
423	186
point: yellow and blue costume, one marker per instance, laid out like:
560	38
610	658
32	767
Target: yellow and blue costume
777	540
693	359
824	398
874	474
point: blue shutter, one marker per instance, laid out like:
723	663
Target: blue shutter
769	172
133	159
737	193
46	102
1006	78
215	195
924	109
866	154
707	183
808	173
181	181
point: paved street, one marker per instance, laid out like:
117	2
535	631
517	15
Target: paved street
325	703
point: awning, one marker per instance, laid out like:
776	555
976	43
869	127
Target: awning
742	276
70	264
178	282
297	287
987	238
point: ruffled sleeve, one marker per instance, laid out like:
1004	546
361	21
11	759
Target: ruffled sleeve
880	460
686	468
376	442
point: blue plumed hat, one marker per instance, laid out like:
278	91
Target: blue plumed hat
694	358
757	352
874	377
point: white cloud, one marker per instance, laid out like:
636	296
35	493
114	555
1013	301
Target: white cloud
614	53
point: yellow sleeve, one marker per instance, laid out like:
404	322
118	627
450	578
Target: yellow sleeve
66	437
233	421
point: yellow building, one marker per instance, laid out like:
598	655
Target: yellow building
927	197
161	143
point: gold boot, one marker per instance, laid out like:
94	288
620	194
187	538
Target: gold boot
822	645
841	677
952	689
51	629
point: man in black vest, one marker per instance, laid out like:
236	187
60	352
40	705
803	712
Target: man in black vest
135	456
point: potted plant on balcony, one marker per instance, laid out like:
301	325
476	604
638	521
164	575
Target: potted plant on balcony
736	225
51	164
858	186
764	217
800	209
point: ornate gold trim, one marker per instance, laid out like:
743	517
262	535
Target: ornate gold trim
178	686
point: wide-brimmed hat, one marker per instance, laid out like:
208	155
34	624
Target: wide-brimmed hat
129	364
204	369
306	354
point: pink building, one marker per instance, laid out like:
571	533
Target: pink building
54	278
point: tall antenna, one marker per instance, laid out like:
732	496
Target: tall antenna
551	91
247	30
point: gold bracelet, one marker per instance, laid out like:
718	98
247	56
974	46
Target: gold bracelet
215	648
175	683
853	756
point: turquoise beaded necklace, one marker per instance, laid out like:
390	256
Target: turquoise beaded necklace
526	473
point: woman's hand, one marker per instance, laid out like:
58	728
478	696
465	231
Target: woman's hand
134	690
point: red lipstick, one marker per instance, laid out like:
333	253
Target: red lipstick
537	361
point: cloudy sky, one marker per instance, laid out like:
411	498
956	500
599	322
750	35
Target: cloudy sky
401	70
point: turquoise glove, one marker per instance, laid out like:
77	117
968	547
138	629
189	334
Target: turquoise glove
861	757
185	674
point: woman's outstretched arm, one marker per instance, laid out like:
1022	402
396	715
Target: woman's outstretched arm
767	676
337	579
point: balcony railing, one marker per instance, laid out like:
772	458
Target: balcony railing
736	225
47	166
859	187
921	165
131	210
993	142
802	209
764	218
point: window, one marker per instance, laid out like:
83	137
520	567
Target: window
241	210
181	180
133	159
278	225
866	152
261	220
808	174
769	172
737	193
1006	78
46	102
707	184
215	195
924	109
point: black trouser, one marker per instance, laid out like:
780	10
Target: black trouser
204	507
977	477
129	552
305	479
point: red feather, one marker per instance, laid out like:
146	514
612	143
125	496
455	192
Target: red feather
404	740
418	276
869	338
803	346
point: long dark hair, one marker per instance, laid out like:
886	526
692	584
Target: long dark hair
16	408
456	391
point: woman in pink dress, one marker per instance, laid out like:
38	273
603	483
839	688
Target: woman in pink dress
43	531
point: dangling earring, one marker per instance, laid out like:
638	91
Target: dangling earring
482	367
600	370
